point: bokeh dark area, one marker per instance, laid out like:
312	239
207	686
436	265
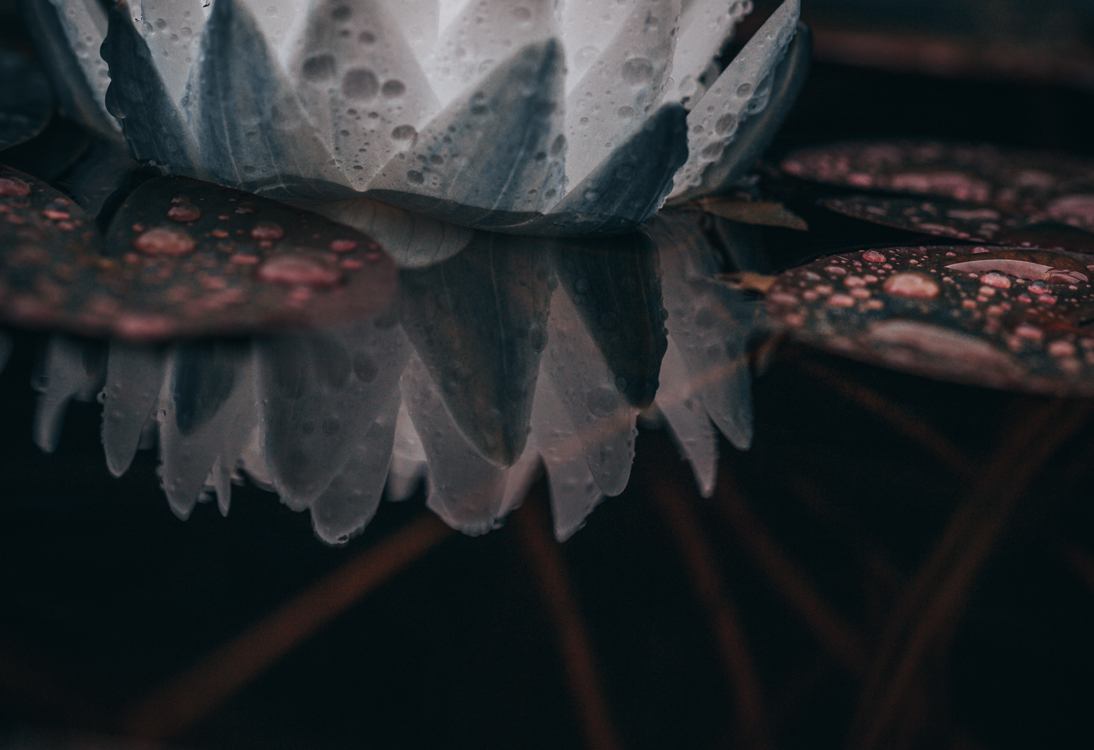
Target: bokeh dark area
895	563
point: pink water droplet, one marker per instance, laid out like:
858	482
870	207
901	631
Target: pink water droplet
298	270
52	213
343	246
267	230
841	300
219	234
997	280
184	212
873	256
12	187
164	241
1061	349
911	285
1026	331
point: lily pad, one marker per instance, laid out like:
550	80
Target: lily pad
182	258
1004	317
966	221
974	192
977	173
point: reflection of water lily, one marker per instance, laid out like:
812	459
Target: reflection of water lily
500	360
538	117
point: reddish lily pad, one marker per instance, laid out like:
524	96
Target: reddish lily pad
982	174
979	192
1004	317
969	221
182	258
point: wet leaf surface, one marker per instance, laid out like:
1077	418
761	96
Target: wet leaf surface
984	174
967	221
1004	317
182	258
976	192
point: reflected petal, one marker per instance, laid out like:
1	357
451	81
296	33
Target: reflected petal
408	461
321	393
352	498
134	378
604	421
208	416
465	490
71	369
614	286
688	421
478	322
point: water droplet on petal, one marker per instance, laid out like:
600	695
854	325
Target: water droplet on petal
637	71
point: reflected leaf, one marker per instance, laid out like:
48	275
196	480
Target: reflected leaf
479	322
614	284
26	100
1011	318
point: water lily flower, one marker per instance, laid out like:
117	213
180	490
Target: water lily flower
533	117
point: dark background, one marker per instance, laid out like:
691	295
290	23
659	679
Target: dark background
896	562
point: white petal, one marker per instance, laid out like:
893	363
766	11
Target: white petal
414	240
84	23
705	27
420	21
604	421
621	89
688	420
465	490
172	30
741	90
498	148
589	26
360	85
482	36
